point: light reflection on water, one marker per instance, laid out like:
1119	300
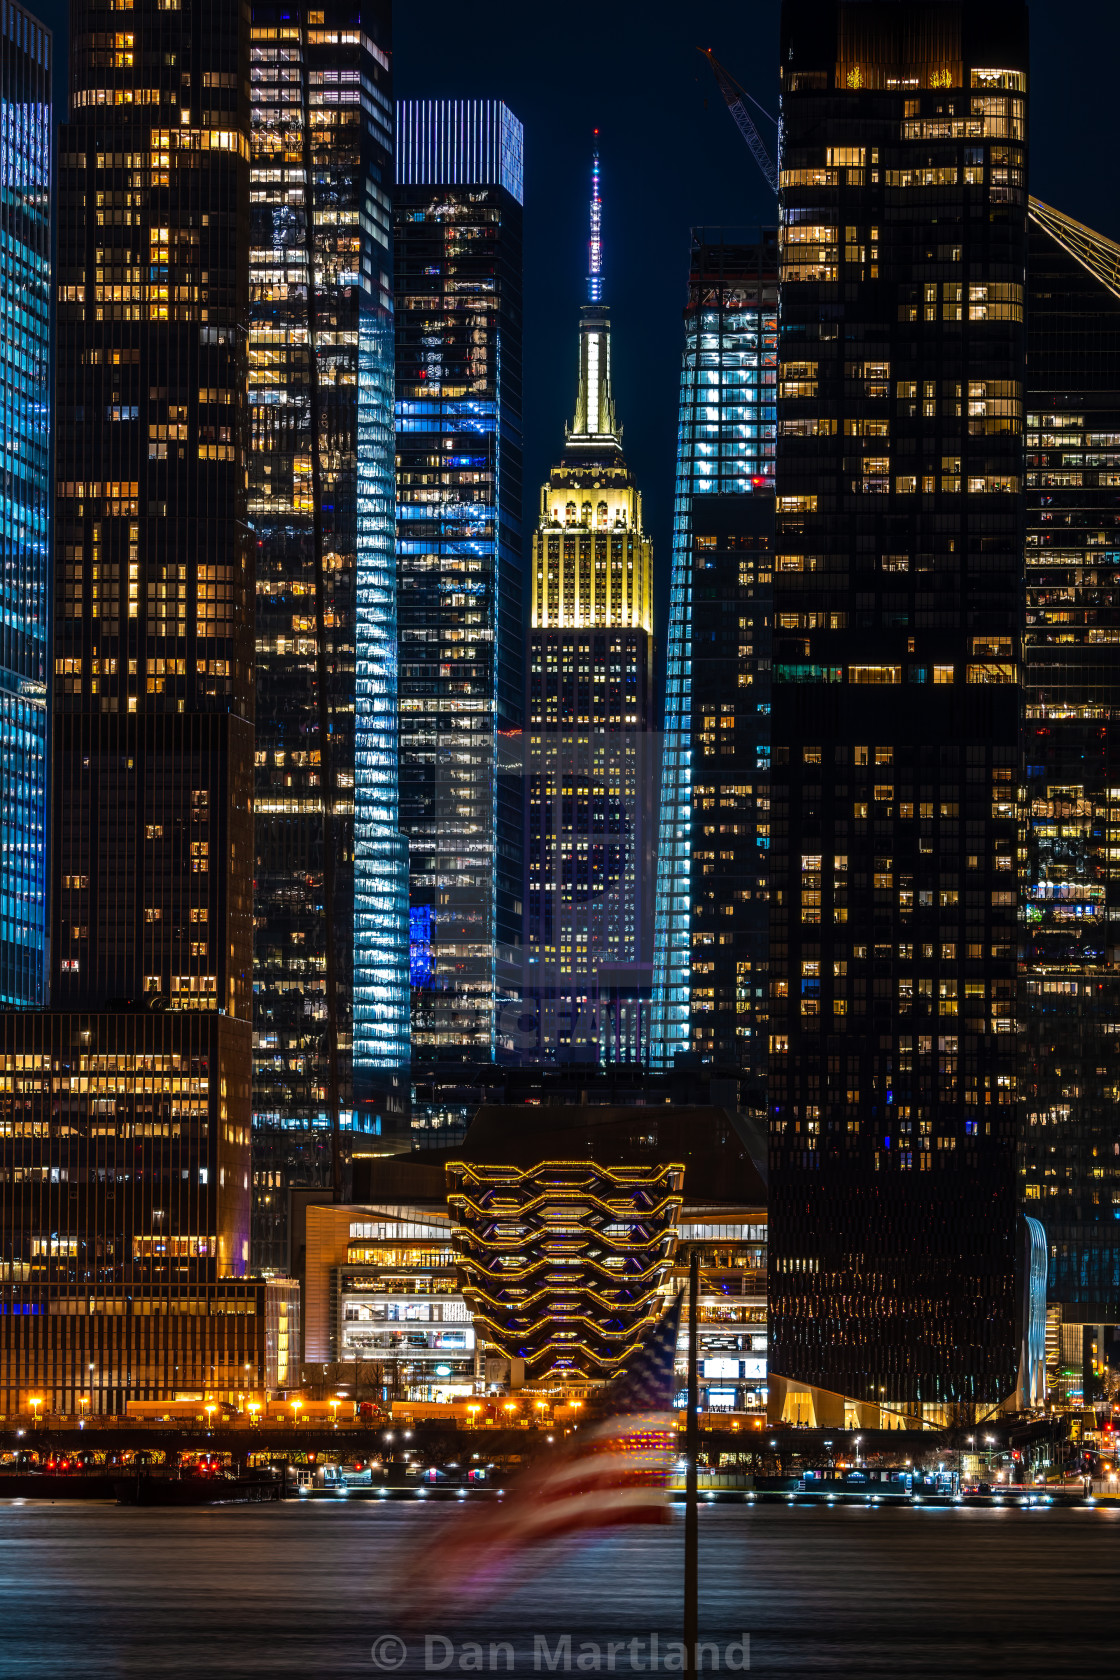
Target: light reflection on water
93	1590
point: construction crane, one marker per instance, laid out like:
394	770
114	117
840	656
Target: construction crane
736	98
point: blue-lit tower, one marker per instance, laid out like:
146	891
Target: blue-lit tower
457	233
25	428
329	904
725	447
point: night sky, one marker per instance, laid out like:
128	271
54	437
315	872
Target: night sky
672	158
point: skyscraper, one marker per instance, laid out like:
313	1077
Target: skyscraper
321	95
124	1195
896	706
25	280
1071	679
588	815
457	226
725	447
732	575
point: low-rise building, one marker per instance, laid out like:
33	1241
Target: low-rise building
541	1255
732	1332
83	1350
385	1315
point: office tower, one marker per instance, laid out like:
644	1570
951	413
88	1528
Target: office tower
124	1194
895	707
725	448
729	747
25	281
457	227
1071	680
589	715
324	90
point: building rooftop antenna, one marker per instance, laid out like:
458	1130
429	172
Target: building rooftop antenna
595	243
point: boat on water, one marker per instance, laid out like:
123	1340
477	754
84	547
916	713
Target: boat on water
197	1490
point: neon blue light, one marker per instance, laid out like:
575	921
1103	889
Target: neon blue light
728	374
460	142
381	996
421	930
595	243
25	450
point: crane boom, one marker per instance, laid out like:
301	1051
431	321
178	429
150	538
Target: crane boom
736	104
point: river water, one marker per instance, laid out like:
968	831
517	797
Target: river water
313	1590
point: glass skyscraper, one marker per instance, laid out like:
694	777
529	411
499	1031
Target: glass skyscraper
1070	972
457	223
732	579
125	1132
321	514
25	458
725	446
893	1054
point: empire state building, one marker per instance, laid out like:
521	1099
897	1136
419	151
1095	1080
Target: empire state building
588	812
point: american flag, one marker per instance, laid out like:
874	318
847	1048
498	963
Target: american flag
612	1472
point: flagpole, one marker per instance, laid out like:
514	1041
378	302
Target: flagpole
692	1449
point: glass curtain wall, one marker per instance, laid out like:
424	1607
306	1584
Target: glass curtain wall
725	446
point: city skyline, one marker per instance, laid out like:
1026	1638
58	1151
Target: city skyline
289	546
560	860
664	178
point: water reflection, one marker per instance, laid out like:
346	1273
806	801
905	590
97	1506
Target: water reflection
299	1590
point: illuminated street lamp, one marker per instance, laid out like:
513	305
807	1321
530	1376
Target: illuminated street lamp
210	1410
254	1408
296	1405
35	1402
334	1412
474	1408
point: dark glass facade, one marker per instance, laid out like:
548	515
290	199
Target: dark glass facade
457	229
732	577
1071	691
896	703
25	460
333	77
124	1130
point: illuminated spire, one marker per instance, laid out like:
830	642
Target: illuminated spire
595	243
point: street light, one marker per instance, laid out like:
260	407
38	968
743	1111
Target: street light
254	1408
296	1404
35	1402
210	1410
474	1408
334	1412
